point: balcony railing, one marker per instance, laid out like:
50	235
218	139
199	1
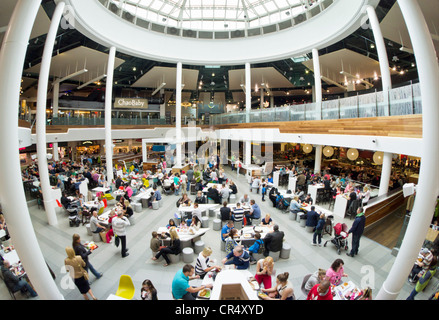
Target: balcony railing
399	101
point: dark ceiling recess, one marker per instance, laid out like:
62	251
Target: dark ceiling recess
216	79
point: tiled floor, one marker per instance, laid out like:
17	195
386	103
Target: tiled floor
304	257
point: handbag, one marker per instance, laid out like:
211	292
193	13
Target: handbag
84	272
116	240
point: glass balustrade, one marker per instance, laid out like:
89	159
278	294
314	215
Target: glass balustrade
403	100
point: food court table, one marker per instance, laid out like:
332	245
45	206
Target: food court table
184	235
203	207
231	277
313	189
341	202
346	291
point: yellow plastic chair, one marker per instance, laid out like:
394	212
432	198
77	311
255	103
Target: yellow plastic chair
101	210
108	196
126	287
145	182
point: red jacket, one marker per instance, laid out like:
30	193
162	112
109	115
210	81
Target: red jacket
314	294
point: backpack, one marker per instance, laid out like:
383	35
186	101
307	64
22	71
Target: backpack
261	246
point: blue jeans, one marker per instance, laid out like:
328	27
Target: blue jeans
355	244
317	236
92	270
22	284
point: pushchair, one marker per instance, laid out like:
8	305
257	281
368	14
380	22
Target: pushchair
167	189
340	238
74	220
281	203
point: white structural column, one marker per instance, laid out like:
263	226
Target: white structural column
55	151
43	82
108	105
386	172
318	159
317	83
12	197
428	186
387	85
382	54
178	114
248	92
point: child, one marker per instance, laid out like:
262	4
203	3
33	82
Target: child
319	230
264	189
148	292
255	247
155	242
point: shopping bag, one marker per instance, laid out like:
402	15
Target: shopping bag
116	240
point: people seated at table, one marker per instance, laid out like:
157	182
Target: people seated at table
200	198
272	195
66	202
321	291
225	230
315	278
308	199
255	212
312	217
128	209
171	224
212	193
336	272
245	200
95	225
255	184
173	248
232	187
273	240
264	271
283	289
267	220
238	213
195	224
180	284
202	265
295	206
14	282
157	196
231	240
240	258
184	201
256	247
154	243
225	212
224	193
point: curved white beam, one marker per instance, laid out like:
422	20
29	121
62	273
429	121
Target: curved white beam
336	22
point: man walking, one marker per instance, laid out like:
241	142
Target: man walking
357	231
119	224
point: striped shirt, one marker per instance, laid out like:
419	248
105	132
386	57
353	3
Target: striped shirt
201	264
238	214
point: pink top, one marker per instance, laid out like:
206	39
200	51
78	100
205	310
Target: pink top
334	277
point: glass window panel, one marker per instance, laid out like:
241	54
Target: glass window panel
270	6
260	10
157	4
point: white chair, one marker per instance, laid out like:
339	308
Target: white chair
204	222
217	224
96	237
188	255
274	255
237	224
155	205
285	251
199	246
174	258
88	229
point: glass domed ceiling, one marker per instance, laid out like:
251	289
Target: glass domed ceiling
214	15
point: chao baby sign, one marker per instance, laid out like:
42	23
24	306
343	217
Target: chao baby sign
131	103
